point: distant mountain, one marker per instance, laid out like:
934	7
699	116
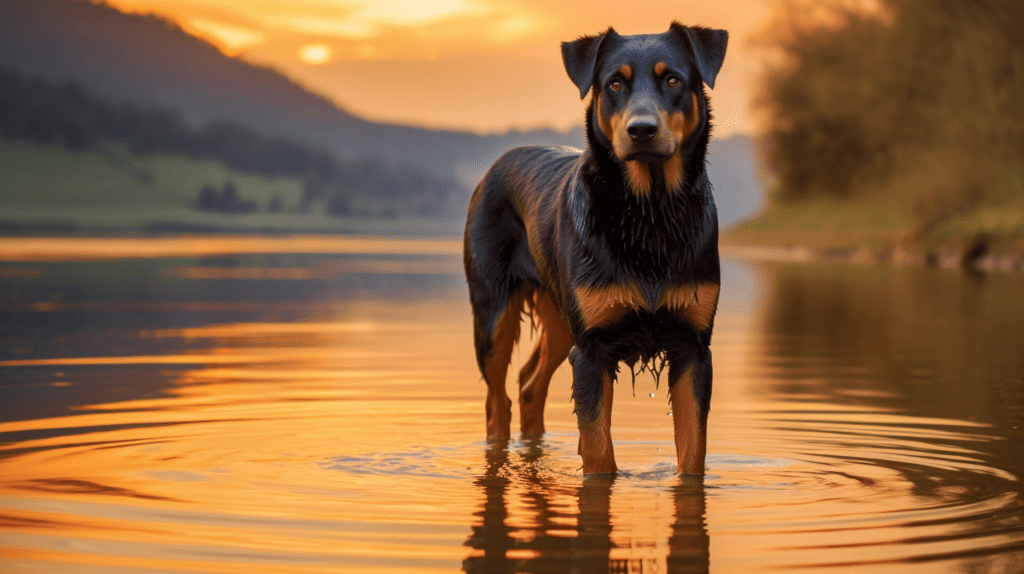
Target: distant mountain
139	60
69	117
149	61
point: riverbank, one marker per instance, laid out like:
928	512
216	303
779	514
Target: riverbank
987	238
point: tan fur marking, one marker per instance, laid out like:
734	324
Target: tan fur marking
702	313
612	129
602	305
659	68
626	71
692	118
595	445
619	136
690	435
695	303
504	337
676	122
680	126
673	169
639	176
552	348
678	297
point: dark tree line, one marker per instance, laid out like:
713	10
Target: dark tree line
921	100
68	116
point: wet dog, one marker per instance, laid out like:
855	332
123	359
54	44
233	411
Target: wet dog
613	250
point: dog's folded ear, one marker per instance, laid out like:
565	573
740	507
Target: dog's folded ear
580	57
707	46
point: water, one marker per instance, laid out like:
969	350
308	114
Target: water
168	406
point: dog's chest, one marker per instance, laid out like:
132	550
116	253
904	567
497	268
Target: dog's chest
695	303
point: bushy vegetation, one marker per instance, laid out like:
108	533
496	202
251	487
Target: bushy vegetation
67	116
921	101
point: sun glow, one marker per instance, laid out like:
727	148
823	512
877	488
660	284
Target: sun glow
475	62
315	54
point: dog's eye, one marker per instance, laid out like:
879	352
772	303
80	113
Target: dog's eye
615	85
672	81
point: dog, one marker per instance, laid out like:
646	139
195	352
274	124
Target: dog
613	250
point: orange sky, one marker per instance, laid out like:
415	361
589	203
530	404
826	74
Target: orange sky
466	64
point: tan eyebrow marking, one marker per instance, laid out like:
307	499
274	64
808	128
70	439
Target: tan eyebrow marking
659	68
626	71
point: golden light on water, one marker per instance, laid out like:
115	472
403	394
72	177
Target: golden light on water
233	424
75	248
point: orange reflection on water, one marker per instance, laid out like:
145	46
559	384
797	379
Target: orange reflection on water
229	465
351	437
92	248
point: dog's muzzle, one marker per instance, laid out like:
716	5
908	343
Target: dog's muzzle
642	128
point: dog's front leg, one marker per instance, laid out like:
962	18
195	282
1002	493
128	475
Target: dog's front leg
592	389
690	396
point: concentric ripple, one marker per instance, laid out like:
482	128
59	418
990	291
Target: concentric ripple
331	419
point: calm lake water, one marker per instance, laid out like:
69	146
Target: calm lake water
313	405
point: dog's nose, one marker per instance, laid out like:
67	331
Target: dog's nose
642	129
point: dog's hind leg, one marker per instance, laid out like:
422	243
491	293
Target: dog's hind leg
552	348
496	333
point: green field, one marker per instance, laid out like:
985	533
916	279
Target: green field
47	177
49	188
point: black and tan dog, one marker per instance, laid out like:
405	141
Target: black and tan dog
614	250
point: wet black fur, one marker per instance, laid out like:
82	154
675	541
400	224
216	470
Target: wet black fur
555	218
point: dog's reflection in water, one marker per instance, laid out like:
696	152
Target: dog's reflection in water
530	521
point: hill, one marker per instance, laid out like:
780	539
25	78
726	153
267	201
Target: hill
67	116
137	60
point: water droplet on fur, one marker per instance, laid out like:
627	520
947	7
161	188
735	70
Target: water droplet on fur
669	413
652	395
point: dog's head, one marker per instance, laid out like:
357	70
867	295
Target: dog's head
648	99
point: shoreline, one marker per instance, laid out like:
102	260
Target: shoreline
977	255
988	238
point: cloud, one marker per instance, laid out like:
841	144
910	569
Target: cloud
364	19
230	39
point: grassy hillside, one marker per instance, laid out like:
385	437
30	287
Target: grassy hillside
40	178
53	189
51	114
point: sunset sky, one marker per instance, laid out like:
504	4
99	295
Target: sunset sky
465	64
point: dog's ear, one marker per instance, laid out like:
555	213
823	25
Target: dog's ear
580	57
707	46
